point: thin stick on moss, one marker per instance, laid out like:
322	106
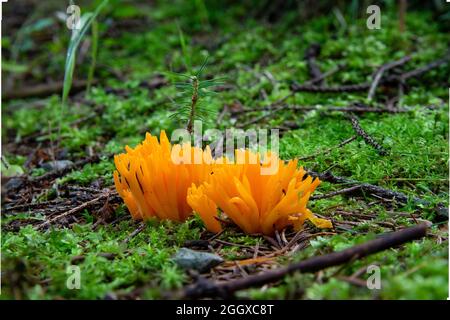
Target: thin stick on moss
72	211
377	191
381	71
367	138
328	150
205	288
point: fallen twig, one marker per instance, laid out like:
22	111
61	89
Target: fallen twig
421	70
352	109
28	206
138	230
380	72
257	119
367	138
356	108
206	288
43	90
57	173
277	105
72	211
335	193
326	151
367	187
295	87
378	191
49	176
222	114
339	89
310	56
321	77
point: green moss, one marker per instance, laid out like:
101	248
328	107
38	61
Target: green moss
46	256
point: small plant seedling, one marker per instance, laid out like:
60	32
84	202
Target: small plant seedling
192	100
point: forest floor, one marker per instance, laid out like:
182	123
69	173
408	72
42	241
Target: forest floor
59	205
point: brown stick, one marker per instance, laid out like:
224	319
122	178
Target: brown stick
323	76
72	211
326	151
377	191
367	138
369	188
335	193
261	117
339	89
43	90
222	114
277	104
49	176
295	87
138	230
421	70
57	173
355	108
310	56
380	72
207	288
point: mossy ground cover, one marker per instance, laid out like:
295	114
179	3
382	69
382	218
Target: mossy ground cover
259	60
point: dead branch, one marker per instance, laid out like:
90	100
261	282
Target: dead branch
378	191
355	108
138	230
261	117
335	193
326	151
50	176
323	76
43	90
205	288
421	70
295	87
337	89
380	72
310	56
367	138
72	211
352	109
57	173
366	187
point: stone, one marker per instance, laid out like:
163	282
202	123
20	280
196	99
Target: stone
196	260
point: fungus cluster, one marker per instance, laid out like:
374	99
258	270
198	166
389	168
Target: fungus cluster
152	184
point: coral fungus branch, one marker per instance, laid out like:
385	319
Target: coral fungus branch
260	193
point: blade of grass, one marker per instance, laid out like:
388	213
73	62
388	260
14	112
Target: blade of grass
77	35
184	49
75	40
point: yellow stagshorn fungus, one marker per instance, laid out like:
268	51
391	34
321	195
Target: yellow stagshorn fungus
257	203
153	185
